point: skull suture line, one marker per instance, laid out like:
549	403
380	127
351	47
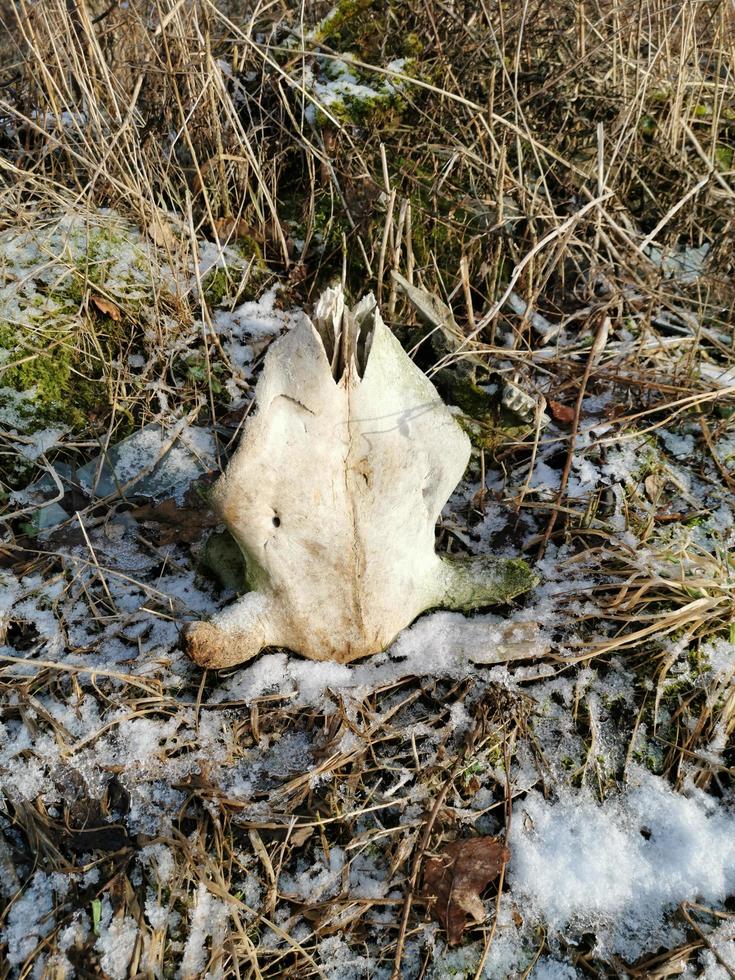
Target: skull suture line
333	496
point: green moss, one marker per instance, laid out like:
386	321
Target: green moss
196	370
370	29
251	251
380	111
465	393
724	156
651	756
332	227
350	26
47	366
243	277
46	363
478	581
55	358
216	285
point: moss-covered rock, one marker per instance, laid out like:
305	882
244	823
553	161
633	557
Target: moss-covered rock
44	364
75	291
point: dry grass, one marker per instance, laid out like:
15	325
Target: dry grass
536	153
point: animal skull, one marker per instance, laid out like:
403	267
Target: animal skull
333	496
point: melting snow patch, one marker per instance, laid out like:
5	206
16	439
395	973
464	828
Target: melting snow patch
315	882
686	265
341	962
617	869
344	85
680	446
718	959
40	442
30	918
251	327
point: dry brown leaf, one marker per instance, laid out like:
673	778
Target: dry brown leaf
454	880
162	233
233	228
176	523
561	413
299	837
106	306
652	486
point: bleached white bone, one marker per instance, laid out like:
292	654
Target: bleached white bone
333	496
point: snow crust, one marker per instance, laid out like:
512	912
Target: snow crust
617	868
442	644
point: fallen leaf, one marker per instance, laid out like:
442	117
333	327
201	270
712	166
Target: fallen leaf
176	523
561	413
162	233
298	271
106	306
234	228
299	837
454	880
667	517
652	486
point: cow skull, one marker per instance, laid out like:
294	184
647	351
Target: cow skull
333	496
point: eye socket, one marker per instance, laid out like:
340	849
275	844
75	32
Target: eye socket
276	521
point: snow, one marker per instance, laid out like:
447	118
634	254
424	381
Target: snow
343	85
154	462
680	446
40	442
441	644
30	918
157	914
721	656
617	869
9	591
333	82
685	265
208	919
246	330
548	968
116	945
160	858
316	882
717	959
341	962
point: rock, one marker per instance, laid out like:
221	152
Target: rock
152	464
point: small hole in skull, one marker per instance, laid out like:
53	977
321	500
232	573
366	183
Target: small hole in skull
276	520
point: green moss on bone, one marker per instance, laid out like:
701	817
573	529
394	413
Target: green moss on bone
474	582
